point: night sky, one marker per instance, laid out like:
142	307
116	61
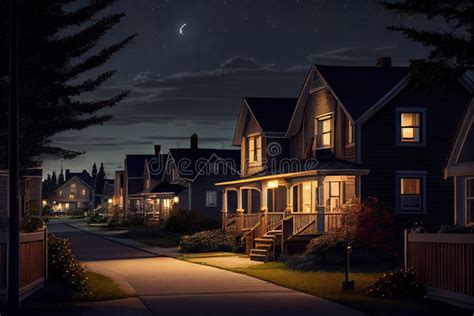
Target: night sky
194	82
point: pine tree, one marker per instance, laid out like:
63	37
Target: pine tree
94	171
58	48
61	179
101	174
453	50
54	181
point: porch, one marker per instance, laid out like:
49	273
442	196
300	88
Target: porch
281	213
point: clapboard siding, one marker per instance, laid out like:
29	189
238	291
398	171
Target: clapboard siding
319	103
350	153
381	155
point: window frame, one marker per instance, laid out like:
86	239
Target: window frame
208	194
398	128
255	155
468	221
317	120
399	175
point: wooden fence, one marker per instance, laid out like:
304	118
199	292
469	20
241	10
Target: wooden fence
444	263
33	262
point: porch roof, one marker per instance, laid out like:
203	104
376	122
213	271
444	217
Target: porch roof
305	168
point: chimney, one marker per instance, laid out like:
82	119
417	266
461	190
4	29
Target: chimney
67	174
194	141
157	150
384	62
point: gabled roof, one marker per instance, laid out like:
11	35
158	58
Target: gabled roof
84	176
165	187
156	167
272	114
460	160
135	164
101	184
359	88
195	159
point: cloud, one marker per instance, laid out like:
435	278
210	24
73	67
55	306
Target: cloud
239	62
355	55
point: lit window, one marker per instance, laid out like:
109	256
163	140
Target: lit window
469	201
147	184
349	133
73	188
411	193
324	132
255	149
60	192
211	198
410	125
72	196
83	192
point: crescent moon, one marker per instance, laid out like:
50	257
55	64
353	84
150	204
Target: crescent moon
181	29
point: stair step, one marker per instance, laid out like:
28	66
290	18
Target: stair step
263	246
259	257
264	240
275	232
258	251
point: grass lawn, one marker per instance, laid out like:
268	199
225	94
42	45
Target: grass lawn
152	236
101	288
328	285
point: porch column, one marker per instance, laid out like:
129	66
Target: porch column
264	198
224	208
289	198
320	210
239	200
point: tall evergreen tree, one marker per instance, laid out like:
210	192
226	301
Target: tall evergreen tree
94	171
54	181
101	174
58	45
61	179
453	48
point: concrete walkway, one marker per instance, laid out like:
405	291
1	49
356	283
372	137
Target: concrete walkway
166	286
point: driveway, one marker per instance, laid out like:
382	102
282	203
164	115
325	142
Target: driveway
167	286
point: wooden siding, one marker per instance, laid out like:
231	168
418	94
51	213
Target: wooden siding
442	261
251	128
381	155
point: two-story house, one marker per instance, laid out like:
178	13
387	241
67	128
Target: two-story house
75	195
352	131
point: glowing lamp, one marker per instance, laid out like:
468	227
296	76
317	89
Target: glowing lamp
272	184
176	199
45	202
110	201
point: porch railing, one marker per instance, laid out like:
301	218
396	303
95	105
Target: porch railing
315	223
250	220
274	219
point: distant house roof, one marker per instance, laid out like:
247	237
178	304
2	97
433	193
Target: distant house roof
101	184
156	167
135	164
359	88
272	114
84	176
165	187
196	158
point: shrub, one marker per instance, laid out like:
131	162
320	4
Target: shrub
453	229
31	224
63	265
185	222
396	284
210	241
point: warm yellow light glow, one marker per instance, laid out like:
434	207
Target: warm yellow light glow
110	201
272	184
45	202
66	205
176	199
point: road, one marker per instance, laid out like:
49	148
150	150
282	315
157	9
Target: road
167	286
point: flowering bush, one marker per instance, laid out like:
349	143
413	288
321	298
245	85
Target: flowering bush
31	224
209	241
63	265
396	284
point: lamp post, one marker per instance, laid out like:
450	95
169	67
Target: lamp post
348	284
13	166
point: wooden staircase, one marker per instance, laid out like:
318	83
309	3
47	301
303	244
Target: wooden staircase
265	246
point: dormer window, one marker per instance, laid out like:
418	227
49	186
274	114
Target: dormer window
410	126
255	150
323	129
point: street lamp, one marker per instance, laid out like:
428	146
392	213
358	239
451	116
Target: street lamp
348	284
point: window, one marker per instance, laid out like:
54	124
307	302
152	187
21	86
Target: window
469	201
410	126
72	196
73	188
211	198
411	193
324	132
83	192
60	192
255	150
349	133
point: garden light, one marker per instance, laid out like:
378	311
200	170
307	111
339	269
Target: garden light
348	284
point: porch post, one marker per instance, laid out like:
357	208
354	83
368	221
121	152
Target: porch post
289	199
320	210
224	208
239	221
239	200
264	198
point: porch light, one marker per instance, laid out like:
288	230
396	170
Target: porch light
176	199
45	202
272	184
348	284
109	201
